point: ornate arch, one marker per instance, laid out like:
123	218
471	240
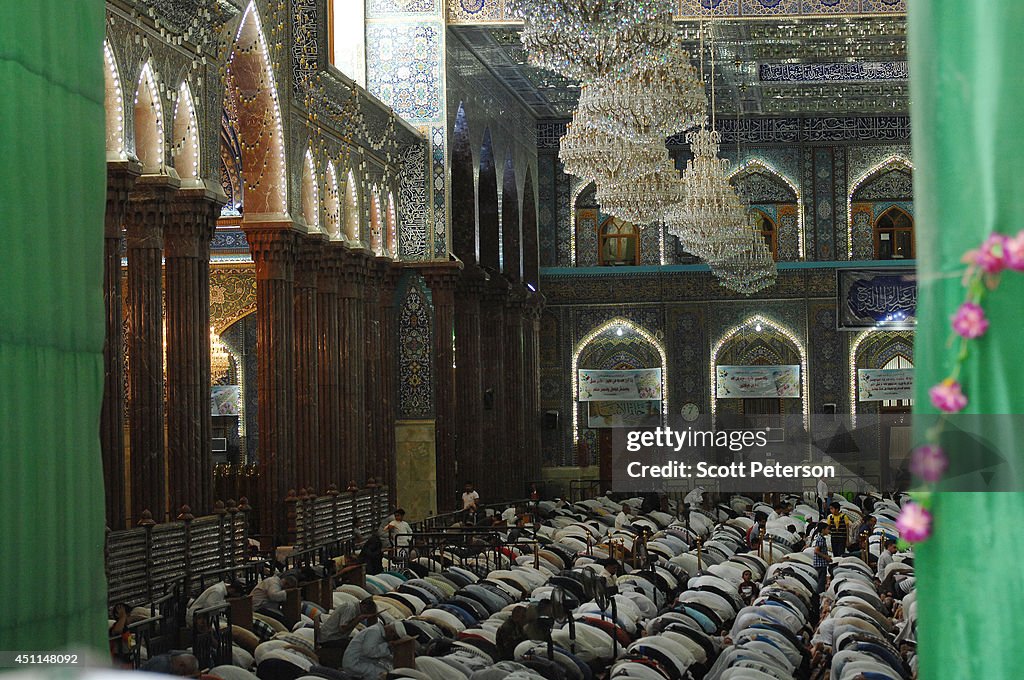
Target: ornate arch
392	227
332	204
873	348
619	326
252	86
351	211
149	122
759	324
113	105
858	229
310	194
186	137
761	184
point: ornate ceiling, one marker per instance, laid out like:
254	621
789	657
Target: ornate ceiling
781	67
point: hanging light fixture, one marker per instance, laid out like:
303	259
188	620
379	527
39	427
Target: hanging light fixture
594	154
586	39
644	200
220	360
650	105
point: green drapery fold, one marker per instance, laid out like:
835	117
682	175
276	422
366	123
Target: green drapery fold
968	104
52	198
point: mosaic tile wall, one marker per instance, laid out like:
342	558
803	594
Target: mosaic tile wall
688	313
415	348
484	11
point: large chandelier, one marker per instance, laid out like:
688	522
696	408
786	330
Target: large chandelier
220	360
593	154
748	267
586	39
649	105
644	200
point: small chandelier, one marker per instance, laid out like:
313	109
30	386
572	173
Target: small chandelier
643	200
594	154
586	39
220	360
650	105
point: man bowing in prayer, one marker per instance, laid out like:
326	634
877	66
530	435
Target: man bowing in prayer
369	655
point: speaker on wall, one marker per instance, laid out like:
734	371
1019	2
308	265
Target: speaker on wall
550	420
489	399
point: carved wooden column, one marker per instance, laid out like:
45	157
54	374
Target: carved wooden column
353	357
442	279
388	351
120	180
193	218
531	388
329	365
147	218
374	390
495	452
468	385
514	383
273	247
307	338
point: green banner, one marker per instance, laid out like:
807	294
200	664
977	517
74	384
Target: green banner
968	104
52	198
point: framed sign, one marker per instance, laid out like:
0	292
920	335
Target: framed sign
639	384
745	382
879	384
876	298
623	414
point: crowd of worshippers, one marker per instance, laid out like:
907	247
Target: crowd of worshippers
636	588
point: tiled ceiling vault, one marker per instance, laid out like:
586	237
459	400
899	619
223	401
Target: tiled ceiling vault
779	67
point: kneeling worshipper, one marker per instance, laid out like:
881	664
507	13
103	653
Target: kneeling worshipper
369	655
337	627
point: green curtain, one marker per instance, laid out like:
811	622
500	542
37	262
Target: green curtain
52	198
967	96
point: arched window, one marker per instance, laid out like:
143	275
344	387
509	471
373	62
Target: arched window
894	235
769	230
898	361
618	244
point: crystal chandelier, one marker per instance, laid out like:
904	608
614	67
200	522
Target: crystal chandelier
594	154
748	267
586	39
220	360
644	200
649	105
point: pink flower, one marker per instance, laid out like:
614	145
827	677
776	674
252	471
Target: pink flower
969	321
914	523
947	396
990	257
1014	252
928	462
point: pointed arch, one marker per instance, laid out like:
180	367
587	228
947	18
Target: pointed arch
511	240
310	195
352	210
894	162
149	122
376	242
260	128
113	105
332	206
621	323
781	329
186	135
465	237
757	166
901	341
392	227
488	206
531	254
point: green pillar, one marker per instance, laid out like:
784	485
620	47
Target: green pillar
52	193
968	104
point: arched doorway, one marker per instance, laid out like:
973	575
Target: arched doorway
616	345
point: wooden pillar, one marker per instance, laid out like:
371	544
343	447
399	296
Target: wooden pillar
514	393
329	365
494	485
307	337
149	205
442	279
121	178
273	247
192	220
468	385
352	360
532	421
371	372
388	350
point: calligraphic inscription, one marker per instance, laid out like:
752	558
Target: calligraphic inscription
642	384
876	298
